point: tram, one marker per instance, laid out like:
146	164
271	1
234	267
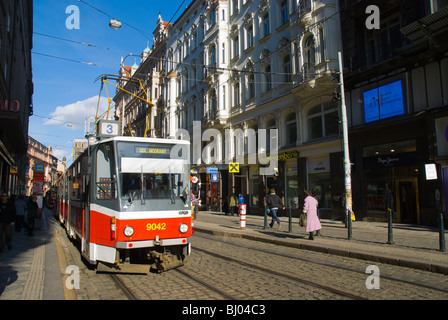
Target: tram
127	200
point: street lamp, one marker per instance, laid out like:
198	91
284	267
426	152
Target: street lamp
115	24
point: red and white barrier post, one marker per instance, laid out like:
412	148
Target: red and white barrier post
242	212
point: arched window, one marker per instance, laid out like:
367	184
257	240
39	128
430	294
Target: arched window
309	50
291	129
323	121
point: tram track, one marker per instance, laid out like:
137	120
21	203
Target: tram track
265	251
270	271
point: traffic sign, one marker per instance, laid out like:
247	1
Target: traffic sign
234	167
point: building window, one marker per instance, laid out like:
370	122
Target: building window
251	85
236	93
323	121
212	56
236	46
284	11
291	129
235	6
266	25
267	78
250	36
287	68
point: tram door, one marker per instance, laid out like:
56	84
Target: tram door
86	216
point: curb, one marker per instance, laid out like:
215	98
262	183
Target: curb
351	253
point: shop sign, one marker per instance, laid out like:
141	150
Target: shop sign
318	166
431	171
392	160
9	106
13	170
234	167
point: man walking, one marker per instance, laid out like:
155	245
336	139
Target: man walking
273	202
7	218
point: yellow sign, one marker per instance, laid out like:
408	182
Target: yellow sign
13	170
234	167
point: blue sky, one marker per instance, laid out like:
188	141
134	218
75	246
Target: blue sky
66	91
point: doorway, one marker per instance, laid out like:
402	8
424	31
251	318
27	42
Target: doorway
407	200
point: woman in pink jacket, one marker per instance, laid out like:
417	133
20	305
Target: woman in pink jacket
310	209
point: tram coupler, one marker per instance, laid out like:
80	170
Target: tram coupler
164	262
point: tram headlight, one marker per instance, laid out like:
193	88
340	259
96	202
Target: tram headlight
183	228
128	231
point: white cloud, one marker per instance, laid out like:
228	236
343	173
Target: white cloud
74	115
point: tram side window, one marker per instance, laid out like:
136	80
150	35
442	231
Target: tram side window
105	172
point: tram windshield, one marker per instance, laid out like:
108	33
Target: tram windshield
148	172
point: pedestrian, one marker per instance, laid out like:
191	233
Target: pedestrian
195	203
273	202
7	218
33	213
225	206
21	208
310	209
233	204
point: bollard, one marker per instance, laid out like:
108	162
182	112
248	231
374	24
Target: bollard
390	236
290	221
349	225
265	218
242	216
441	233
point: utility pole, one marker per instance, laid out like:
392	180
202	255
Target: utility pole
347	168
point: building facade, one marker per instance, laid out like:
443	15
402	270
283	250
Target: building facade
240	66
139	118
43	168
16	89
235	70
396	82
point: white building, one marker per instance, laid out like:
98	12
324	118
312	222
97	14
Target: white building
245	64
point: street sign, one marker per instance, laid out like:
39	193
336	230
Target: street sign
215	177
39	167
234	167
212	170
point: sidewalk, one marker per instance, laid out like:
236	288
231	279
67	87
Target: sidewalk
30	270
414	246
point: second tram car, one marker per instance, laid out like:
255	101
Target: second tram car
128	202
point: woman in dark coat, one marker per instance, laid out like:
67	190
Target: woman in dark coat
33	212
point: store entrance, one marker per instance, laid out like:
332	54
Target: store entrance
407	200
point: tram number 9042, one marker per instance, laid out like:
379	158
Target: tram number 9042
156	226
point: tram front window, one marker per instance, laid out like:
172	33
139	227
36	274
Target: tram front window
149	186
147	171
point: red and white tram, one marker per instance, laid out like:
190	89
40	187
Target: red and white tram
128	202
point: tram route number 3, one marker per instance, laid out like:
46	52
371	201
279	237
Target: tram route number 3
156	226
